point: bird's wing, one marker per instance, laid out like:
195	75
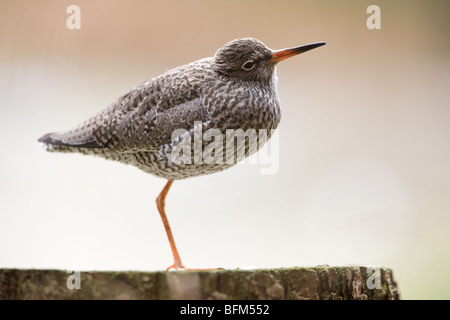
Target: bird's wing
142	119
147	131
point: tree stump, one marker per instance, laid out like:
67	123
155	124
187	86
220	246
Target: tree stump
311	283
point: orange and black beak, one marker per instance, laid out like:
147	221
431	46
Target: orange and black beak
280	55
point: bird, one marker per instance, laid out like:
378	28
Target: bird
236	89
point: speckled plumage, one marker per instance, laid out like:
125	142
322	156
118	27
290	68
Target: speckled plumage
235	89
136	129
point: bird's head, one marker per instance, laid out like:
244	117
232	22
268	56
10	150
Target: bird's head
249	59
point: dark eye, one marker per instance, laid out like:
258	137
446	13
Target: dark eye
249	65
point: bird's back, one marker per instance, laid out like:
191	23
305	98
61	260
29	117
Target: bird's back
142	118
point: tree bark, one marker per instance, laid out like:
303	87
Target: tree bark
322	282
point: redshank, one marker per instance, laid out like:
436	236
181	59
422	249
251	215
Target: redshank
235	89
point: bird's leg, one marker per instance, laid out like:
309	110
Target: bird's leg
160	202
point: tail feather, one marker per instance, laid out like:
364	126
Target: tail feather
69	140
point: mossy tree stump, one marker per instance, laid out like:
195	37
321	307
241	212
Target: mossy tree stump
323	282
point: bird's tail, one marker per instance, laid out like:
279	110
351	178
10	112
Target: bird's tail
70	141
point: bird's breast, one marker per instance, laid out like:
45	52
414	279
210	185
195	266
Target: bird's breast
245	106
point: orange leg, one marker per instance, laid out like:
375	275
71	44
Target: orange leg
160	203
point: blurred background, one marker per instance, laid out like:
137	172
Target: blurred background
364	156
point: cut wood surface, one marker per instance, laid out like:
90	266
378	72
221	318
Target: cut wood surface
322	282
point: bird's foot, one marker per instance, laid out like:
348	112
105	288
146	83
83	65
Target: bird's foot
205	269
178	266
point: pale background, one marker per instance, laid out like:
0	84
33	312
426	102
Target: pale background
364	140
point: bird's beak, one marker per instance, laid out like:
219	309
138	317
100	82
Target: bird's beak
280	55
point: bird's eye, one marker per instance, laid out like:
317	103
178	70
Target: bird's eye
249	65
